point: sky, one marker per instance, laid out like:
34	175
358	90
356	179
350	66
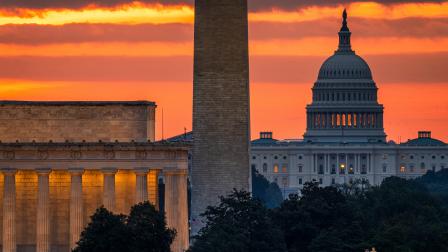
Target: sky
143	50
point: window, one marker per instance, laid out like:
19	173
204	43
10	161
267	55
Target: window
300	157
254	157
351	170
402	168
422	157
411	157
333	181
300	168
284	168
384	167
342	168
333	169
321	181
321	169
411	168
300	181
276	168
264	157
275	157
442	157
265	167
422	165
285	181
433	157
363	169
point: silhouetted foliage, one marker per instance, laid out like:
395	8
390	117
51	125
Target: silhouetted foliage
269	193
240	224
143	230
399	215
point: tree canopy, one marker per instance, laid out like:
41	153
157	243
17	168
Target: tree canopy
399	215
144	229
268	192
239	223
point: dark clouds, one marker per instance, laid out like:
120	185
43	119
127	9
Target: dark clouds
254	5
32	34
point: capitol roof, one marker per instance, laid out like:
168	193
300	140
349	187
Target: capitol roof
345	64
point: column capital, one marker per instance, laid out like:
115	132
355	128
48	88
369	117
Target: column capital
8	171
43	171
76	171
109	170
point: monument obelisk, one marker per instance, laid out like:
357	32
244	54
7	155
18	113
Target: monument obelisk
221	124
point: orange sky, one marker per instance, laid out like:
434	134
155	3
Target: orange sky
144	51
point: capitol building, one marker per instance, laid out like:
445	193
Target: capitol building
345	139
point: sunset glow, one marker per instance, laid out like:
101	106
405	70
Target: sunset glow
145	51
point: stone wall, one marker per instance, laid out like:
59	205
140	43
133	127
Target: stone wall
77	121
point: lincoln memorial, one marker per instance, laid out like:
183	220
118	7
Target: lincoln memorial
60	161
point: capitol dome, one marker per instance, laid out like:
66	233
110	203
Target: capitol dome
345	66
345	104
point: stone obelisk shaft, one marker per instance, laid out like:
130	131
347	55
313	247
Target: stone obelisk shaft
220	103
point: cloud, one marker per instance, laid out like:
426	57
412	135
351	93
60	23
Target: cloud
254	5
85	33
81	33
415	68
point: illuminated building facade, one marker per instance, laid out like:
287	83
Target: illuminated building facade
345	139
60	161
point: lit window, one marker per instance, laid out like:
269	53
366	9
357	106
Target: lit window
342	169
350	170
276	168
402	168
284	168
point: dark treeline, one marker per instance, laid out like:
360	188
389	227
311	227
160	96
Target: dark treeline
400	215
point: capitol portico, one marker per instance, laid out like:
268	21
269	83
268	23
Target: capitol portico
51	187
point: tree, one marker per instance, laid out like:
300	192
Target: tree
143	230
320	220
269	193
148	229
240	224
105	232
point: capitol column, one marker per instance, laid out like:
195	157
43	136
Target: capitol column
76	217
9	210
43	211
141	187
176	206
109	188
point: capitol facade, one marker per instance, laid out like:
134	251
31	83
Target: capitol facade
345	139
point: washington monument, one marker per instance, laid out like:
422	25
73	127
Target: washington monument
221	123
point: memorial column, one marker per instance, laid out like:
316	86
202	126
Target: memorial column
109	188
43	211
9	210
76	215
176	207
141	187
